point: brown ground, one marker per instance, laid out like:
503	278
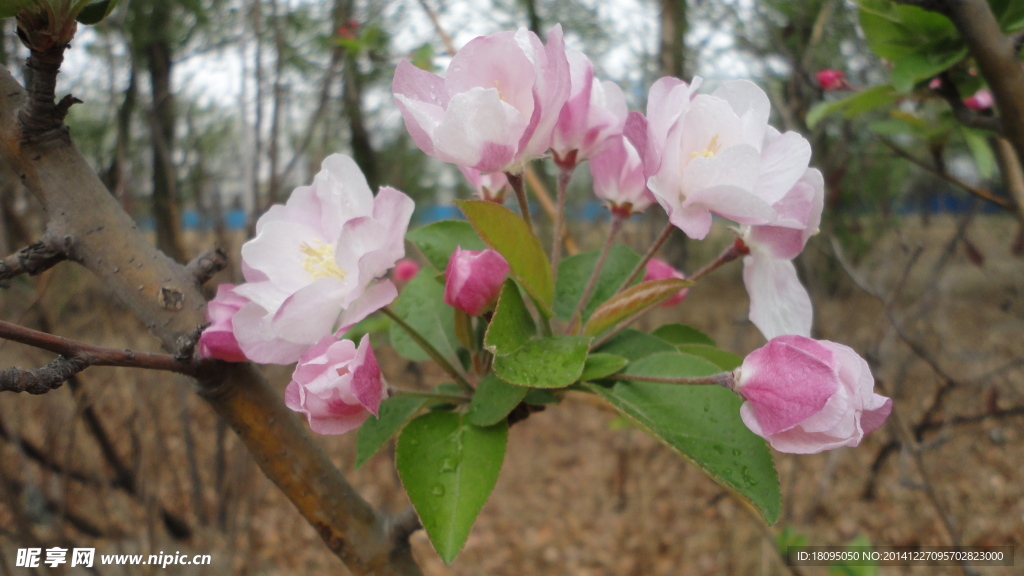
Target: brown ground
577	496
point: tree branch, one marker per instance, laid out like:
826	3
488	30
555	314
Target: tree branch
32	260
164	296
996	57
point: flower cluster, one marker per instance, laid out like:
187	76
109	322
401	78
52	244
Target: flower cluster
316	267
320	263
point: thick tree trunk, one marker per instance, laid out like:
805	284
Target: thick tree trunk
672	48
165	198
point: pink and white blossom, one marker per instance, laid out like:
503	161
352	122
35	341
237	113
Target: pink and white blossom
318	262
594	113
980	100
658	269
619	180
336	385
497	105
779	303
805	396
218	339
710	154
473	280
491	187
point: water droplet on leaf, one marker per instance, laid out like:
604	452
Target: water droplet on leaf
438	490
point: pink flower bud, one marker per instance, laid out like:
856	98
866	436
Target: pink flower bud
619	179
405	270
805	396
830	79
336	385
491	187
660	270
218	340
981	100
473	280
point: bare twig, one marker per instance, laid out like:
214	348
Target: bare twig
973	190
207	264
32	260
88	355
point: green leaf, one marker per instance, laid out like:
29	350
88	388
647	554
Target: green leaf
449	468
507	233
493	400
632	301
702	423
874	97
539	397
1010	14
438	241
512	326
977	142
918	43
787	538
574	272
421	305
96	11
634	345
602	364
375	432
552	362
679	334
9	8
722	358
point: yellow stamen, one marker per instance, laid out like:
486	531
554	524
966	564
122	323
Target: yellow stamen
319	261
713	148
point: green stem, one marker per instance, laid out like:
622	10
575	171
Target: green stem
647	257
734	251
616	226
430	395
564	176
430	350
516	181
724	379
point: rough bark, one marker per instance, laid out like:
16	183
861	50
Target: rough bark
672	47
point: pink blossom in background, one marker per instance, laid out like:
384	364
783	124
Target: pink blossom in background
405	270
711	154
336	385
473	280
497	105
830	79
980	100
805	396
317	263
658	269
491	187
779	303
218	339
595	112
619	180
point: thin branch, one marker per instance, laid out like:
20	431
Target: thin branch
516	181
97	355
978	192
565	171
32	260
207	264
642	264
